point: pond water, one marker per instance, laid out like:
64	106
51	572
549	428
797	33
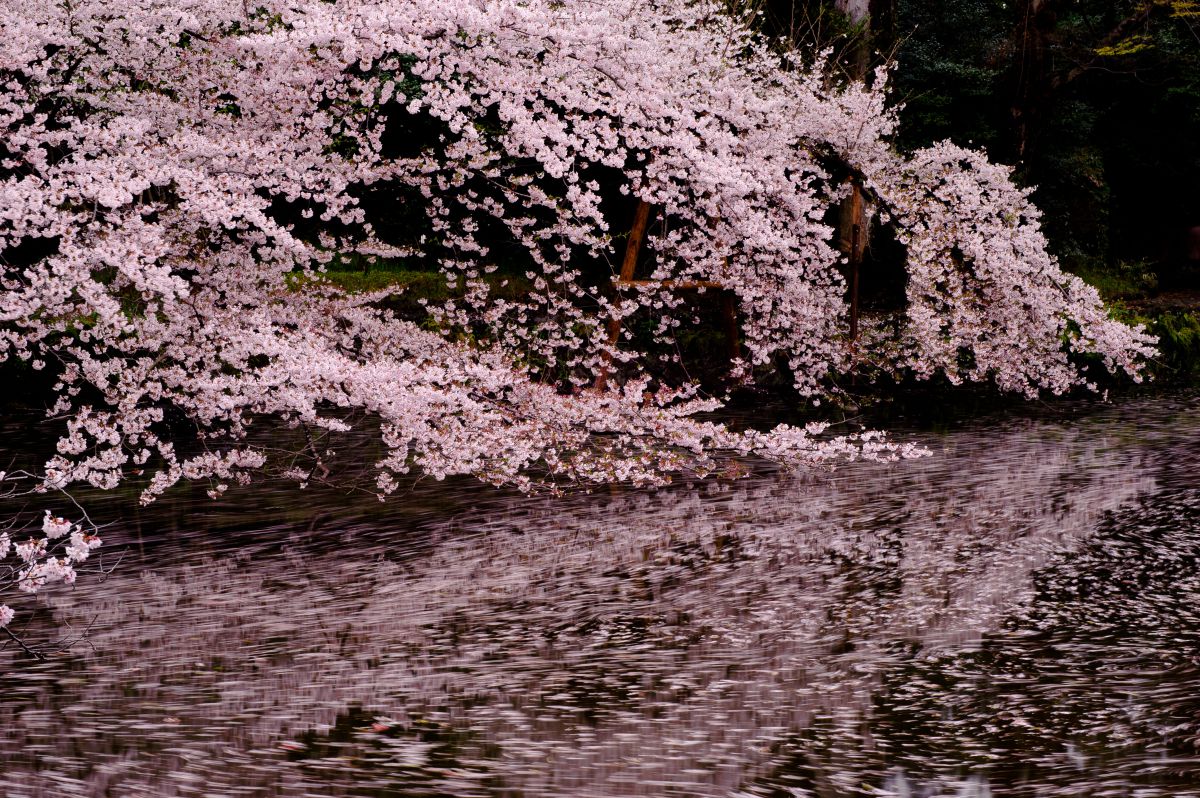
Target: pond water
1018	615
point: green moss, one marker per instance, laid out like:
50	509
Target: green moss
1179	344
428	285
425	285
1123	281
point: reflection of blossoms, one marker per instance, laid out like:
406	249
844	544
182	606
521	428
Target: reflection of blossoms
595	638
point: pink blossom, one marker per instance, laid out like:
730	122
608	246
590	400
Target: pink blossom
30	550
151	146
55	528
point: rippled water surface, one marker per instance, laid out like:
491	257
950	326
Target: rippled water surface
1018	615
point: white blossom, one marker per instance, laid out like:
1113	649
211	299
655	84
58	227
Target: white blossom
54	528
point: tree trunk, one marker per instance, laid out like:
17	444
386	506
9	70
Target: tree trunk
854	217
1036	22
633	248
883	25
858	12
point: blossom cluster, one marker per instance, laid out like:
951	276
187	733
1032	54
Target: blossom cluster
43	561
166	165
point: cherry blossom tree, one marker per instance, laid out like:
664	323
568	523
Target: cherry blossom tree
167	165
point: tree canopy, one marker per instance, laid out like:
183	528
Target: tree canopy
168	166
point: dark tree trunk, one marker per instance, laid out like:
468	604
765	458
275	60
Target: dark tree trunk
883	25
854	216
1033	37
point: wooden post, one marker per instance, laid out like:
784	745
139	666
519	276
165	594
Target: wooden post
856	253
633	248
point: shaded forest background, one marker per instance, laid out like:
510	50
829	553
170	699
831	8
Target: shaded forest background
1095	102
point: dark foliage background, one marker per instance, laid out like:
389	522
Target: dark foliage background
1096	103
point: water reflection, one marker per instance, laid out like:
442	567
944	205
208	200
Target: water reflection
1012	617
